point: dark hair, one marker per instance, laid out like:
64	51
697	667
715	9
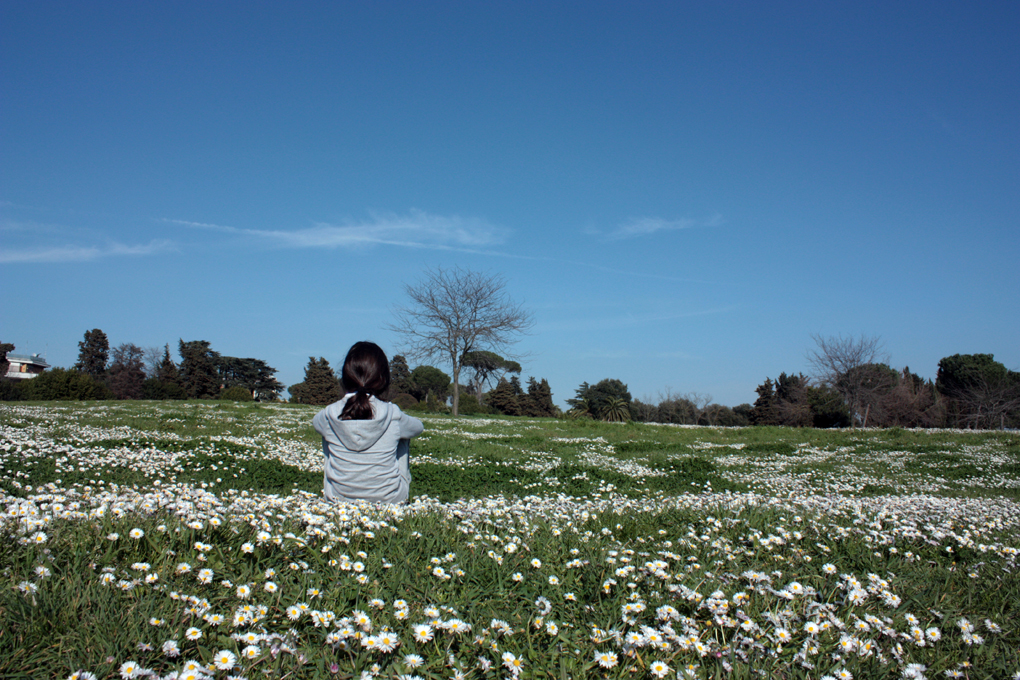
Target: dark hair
366	373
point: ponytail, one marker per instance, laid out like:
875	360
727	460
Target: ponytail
366	374
357	407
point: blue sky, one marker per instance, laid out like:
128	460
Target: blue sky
682	193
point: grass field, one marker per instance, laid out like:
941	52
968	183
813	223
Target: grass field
190	540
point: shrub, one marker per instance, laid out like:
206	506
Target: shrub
429	380
154	388
405	401
827	408
236	393
9	391
433	405
469	405
64	384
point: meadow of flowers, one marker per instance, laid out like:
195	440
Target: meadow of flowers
191	540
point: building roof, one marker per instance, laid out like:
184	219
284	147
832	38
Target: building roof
33	359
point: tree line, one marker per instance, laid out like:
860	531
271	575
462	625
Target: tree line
429	388
133	372
461	318
852	386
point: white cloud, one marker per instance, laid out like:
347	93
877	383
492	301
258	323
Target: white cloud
650	225
81	253
31	228
417	229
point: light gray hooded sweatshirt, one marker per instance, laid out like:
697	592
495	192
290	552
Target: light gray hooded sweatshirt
367	459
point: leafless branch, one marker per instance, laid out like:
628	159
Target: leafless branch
839	361
454	311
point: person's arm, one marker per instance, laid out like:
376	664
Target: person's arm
410	426
319	422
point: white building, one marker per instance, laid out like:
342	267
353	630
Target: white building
23	366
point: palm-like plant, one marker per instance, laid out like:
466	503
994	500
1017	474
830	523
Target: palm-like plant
616	410
580	410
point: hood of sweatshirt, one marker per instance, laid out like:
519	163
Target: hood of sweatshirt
358	435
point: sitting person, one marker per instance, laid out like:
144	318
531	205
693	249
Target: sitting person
366	440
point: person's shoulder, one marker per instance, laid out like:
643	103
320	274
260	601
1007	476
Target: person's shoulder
395	411
335	406
333	409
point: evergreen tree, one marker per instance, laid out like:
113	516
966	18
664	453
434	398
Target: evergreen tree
982	392
5	347
793	408
198	370
487	367
742	412
827	407
320	386
765	410
605	399
167	371
400	377
616	410
93	353
580	407
506	397
266	387
156	389
724	416
426	380
254	375
539	401
167	384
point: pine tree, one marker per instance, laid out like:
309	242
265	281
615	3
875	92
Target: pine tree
506	397
320	386
93	353
765	411
792	405
580	405
540	403
400	377
198	370
167	371
267	387
426	380
254	375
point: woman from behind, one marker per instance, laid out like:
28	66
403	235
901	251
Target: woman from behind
365	439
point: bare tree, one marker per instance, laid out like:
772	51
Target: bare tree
986	402
674	408
840	362
152	357
700	402
913	402
126	373
456	311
